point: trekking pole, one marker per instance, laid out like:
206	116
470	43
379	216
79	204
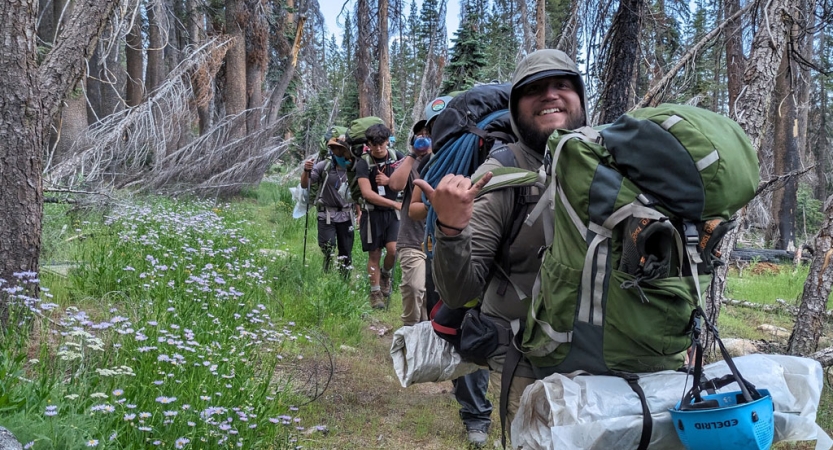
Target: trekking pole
306	228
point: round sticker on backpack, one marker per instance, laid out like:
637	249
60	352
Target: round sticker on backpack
438	105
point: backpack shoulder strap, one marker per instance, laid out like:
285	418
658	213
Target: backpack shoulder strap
322	180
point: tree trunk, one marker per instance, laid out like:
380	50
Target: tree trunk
734	54
620	60
134	60
95	87
751	113
31	97
785	153
257	58
808	326
235	79
385	109
276	97
70	123
363	62
540	24
525	22
156	45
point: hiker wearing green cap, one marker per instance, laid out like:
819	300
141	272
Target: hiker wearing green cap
470	260
333	202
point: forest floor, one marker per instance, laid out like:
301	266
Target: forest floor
365	407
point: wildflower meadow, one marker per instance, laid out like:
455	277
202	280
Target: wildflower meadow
179	324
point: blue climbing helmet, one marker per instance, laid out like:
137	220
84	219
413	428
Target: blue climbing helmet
737	420
728	422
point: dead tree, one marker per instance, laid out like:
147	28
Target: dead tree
32	88
752	107
809	323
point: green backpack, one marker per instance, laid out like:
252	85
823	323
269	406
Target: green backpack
635	210
333	131
355	134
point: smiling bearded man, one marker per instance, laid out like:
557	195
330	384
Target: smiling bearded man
474	233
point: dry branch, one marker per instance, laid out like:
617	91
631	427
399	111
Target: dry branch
780	306
824	357
139	147
650	98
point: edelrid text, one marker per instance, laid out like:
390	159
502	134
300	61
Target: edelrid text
716	425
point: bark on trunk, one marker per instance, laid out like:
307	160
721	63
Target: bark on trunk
620	64
385	110
257	58
540	25
31	96
70	123
156	46
785	153
94	87
525	22
734	54
363	63
133	50
235	80
808	325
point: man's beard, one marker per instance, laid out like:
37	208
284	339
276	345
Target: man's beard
537	139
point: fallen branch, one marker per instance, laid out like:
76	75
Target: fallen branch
824	357
764	255
74	191
780	306
68	201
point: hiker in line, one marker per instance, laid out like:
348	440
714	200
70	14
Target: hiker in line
411	232
547	94
379	224
469	390
334	205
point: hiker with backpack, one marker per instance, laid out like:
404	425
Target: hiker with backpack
476	253
379	226
333	203
417	287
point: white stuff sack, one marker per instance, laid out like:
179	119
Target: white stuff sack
420	356
301	197
603	412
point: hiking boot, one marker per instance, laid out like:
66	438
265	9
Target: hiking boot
384	284
377	300
477	438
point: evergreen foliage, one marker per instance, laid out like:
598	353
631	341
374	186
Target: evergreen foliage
467	56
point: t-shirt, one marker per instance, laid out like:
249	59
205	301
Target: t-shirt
386	166
329	193
411	232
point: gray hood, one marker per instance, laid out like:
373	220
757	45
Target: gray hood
542	64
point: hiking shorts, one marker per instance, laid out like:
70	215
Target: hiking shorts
383	227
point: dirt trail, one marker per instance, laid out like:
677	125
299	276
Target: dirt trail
365	407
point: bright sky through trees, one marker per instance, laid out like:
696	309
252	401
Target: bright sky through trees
331	9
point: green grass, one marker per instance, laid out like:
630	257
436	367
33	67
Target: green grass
765	286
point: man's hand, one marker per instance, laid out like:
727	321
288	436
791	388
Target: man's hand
308	164
382	179
453	200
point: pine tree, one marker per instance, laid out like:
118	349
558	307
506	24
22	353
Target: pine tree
467	56
501	42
